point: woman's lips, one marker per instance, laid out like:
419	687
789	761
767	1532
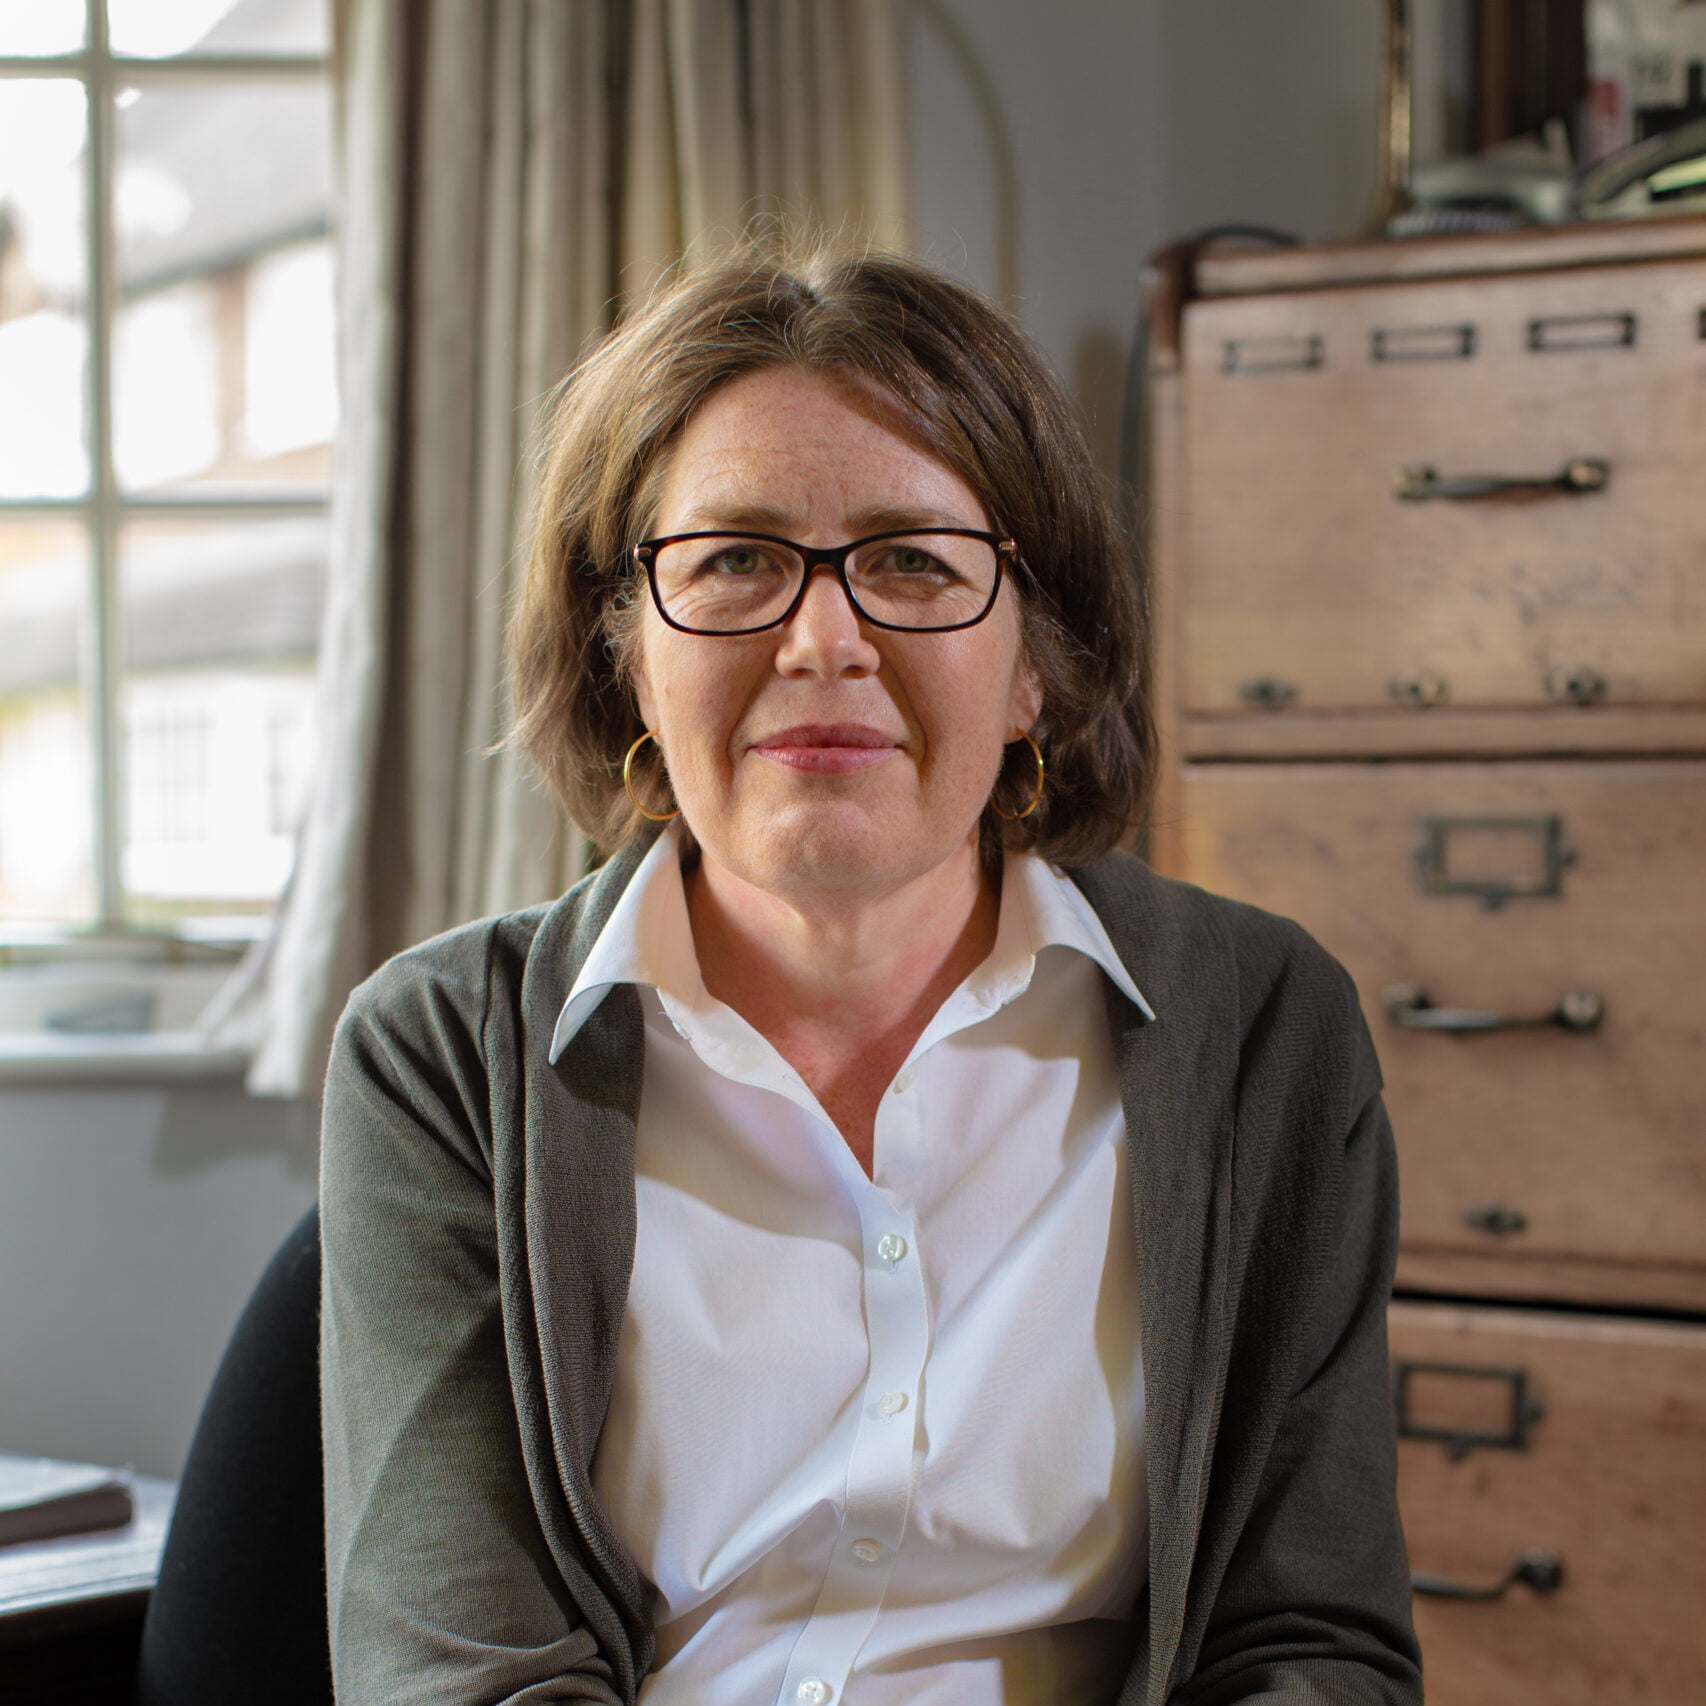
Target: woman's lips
832	749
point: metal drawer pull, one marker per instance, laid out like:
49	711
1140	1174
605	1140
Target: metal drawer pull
1542	1571
1580	686
1582	332
1495	859
1268	692
1452	1427
1577	1010
1584	474
1495	1220
1286	352
1425	688
1422	343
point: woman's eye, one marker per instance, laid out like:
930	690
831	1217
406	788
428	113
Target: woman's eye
736	560
909	561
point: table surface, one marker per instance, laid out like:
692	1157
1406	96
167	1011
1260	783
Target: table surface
79	1580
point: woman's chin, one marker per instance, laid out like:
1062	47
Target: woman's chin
834	847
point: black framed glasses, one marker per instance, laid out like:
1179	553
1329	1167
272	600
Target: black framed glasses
922	580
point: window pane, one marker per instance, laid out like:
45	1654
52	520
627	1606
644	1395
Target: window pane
161	29
43	337
29	27
221	620
290	381
223	348
46	774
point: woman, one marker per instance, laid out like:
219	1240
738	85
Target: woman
870	1240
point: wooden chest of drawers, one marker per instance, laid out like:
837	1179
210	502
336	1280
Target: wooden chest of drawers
1556	1447
1427	545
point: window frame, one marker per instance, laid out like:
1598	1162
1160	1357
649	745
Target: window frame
104	508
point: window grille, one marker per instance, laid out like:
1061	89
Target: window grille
167	405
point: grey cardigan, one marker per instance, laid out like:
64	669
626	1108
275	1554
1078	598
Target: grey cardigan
478	1220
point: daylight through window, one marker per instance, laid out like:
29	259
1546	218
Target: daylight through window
167	405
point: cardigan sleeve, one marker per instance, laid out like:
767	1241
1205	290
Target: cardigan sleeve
1301	1579
436	1564
1314	1605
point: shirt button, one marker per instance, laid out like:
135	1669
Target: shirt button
891	1247
908	1077
814	1691
891	1403
867	1551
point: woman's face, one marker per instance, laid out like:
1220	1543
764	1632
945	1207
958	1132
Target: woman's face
825	757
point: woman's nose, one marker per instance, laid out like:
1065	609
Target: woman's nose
824	636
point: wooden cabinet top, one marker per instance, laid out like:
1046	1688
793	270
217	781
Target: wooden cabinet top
1388	261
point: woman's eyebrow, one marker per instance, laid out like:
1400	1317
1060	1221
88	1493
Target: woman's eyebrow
762	518
759	518
893	519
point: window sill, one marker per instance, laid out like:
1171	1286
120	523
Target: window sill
105	1021
153	1057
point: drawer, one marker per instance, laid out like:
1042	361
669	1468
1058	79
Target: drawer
1301	566
1540	1160
1608	1477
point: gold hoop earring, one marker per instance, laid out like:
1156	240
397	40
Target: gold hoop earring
628	781
1036	797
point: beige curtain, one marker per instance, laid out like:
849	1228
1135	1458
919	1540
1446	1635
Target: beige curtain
511	171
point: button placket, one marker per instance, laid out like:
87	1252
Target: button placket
899	1136
882	1460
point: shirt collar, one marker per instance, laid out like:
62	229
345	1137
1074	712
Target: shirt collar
1051	911
647	940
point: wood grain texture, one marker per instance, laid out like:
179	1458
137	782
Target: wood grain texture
1534	249
1542	1279
1298	563
1598	1141
1441	732
1613	1480
1163	528
1278	552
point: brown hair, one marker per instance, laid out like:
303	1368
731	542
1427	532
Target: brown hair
969	389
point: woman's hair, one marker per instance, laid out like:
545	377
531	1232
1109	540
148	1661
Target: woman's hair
966	387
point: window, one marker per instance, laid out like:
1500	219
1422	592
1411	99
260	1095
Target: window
167	404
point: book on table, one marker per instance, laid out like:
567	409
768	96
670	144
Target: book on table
42	1498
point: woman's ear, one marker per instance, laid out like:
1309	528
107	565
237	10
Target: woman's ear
1027	703
642	689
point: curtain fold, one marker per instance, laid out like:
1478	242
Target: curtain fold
511	172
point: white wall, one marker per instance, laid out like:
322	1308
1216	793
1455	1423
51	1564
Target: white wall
1039	177
1057	144
133	1224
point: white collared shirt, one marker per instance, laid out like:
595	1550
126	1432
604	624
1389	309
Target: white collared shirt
880	1440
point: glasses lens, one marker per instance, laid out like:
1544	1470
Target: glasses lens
721	583
924	580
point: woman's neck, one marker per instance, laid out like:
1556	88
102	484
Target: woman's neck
842	987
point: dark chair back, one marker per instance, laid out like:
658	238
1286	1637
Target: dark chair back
240	1610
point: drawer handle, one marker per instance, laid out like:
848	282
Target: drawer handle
1542	1571
1268	693
1423	689
1495	1220
1581	686
1584	474
1577	1010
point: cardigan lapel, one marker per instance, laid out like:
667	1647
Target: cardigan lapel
567	1205
1176	1087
